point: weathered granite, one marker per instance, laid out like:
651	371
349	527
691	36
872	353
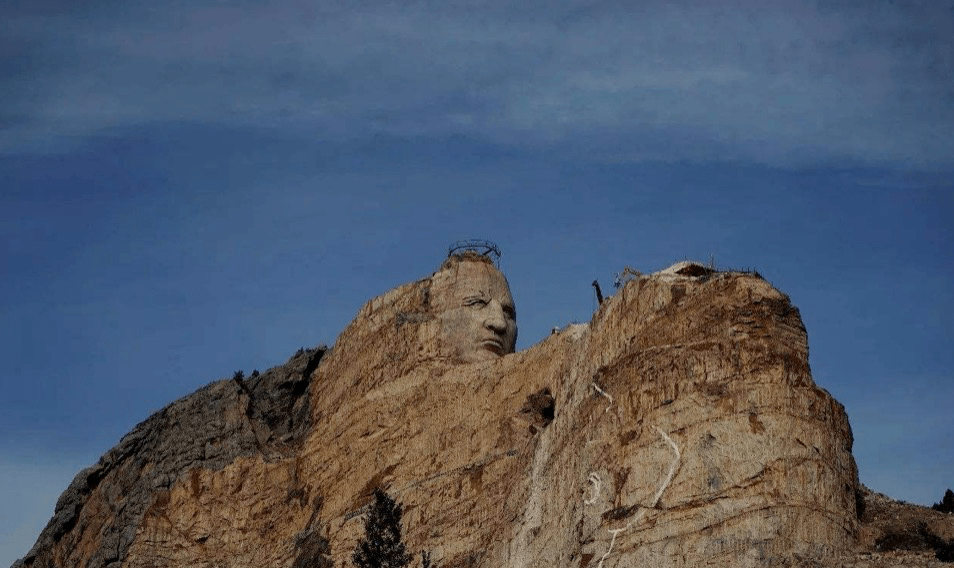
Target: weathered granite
95	519
680	427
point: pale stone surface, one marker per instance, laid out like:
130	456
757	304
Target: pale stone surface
475	309
680	427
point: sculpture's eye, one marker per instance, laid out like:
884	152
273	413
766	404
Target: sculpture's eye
511	312
475	302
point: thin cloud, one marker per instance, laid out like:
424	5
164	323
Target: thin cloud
781	83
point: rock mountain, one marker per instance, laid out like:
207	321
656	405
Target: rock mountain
680	427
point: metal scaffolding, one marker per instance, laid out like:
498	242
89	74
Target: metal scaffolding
479	246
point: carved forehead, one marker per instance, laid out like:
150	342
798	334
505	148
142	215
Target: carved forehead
461	279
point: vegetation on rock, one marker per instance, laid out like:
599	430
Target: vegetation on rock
946	505
916	538
381	546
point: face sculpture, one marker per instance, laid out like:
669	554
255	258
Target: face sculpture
476	312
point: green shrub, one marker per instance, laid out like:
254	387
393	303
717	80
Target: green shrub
947	503
381	546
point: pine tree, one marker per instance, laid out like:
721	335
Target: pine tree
382	546
947	503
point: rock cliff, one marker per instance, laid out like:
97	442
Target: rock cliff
679	427
96	518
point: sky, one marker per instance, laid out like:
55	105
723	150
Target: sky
192	188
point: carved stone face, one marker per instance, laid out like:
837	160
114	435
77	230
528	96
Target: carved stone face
477	317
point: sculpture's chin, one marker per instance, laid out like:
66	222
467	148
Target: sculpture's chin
482	353
493	347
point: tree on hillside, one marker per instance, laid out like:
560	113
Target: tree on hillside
381	546
947	503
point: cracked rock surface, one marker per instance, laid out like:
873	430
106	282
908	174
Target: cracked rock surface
96	518
680	427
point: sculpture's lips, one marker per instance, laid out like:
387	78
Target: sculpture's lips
493	345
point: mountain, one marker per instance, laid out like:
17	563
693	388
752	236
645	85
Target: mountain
679	427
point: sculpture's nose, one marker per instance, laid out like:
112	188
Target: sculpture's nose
495	318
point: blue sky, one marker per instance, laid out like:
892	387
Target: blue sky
192	188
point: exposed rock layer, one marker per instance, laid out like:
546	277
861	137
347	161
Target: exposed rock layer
96	518
681	427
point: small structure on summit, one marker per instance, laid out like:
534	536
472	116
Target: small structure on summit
478	246
599	293
688	268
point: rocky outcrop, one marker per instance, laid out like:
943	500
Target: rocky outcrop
893	530
96	518
680	427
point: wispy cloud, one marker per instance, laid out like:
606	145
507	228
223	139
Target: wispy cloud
771	82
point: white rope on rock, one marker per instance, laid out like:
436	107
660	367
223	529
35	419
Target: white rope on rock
672	467
604	393
662	488
597	482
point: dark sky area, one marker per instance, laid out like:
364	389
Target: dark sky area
192	188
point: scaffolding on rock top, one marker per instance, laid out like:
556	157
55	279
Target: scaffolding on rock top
478	246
